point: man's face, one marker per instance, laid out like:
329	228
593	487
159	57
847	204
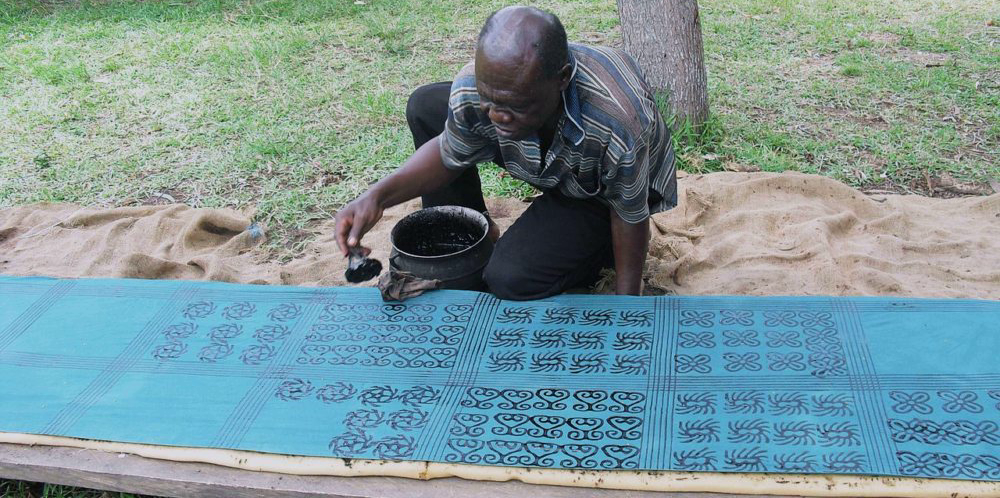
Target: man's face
514	96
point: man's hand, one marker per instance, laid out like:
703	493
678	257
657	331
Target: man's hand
630	243
422	173
354	221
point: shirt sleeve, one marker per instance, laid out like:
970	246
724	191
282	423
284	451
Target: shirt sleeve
626	182
464	142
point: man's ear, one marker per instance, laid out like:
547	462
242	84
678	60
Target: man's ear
564	76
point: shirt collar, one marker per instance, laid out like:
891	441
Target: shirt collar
572	127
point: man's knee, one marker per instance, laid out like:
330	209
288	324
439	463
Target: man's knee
510	281
420	104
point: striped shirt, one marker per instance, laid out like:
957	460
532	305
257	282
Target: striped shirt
612	143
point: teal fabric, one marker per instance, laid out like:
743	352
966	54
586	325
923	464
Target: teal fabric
766	384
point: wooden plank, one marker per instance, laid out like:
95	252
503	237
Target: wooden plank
135	474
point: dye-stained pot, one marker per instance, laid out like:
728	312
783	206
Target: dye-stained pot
446	243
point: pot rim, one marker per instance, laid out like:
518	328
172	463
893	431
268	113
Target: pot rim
468	211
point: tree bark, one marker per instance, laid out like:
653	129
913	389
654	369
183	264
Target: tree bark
664	36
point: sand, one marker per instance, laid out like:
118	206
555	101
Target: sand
732	233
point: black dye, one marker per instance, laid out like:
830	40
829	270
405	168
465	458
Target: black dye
435	234
366	269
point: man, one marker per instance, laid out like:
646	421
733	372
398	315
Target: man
577	122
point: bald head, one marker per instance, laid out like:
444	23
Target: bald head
525	37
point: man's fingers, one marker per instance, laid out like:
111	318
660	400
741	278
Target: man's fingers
342	229
355	236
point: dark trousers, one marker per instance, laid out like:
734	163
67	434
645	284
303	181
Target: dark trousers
557	244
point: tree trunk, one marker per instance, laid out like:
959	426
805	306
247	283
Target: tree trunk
664	36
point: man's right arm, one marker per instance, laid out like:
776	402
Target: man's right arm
424	172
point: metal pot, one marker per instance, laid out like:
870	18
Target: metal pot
446	243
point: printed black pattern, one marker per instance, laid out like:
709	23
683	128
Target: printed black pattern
749	431
201	309
745	402
635	318
604	427
906	402
960	401
736	317
729	389
832	405
962	465
220	346
239	311
175	346
787	404
698	431
746	460
954	432
700	459
532	339
696	404
699	363
516	315
541	454
697	318
561	316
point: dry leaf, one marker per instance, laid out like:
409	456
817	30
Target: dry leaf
740	167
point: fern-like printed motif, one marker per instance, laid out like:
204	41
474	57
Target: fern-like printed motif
800	433
560	316
549	338
601	318
696	403
832	405
698	431
516	315
748	431
635	318
508	338
588	363
548	362
787	404
637	364
511	361
632	341
746	460
702	459
745	402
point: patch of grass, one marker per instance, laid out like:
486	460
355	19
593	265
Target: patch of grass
258	104
22	489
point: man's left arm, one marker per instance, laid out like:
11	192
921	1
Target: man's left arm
630	242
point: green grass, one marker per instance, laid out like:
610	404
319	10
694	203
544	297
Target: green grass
21	489
289	108
257	104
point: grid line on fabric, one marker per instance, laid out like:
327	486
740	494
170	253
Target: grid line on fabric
117	368
883	441
867	415
463	373
653	394
436	431
673	323
454	385
234	429
480	334
34	311
856	388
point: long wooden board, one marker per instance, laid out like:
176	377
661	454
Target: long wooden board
135	474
